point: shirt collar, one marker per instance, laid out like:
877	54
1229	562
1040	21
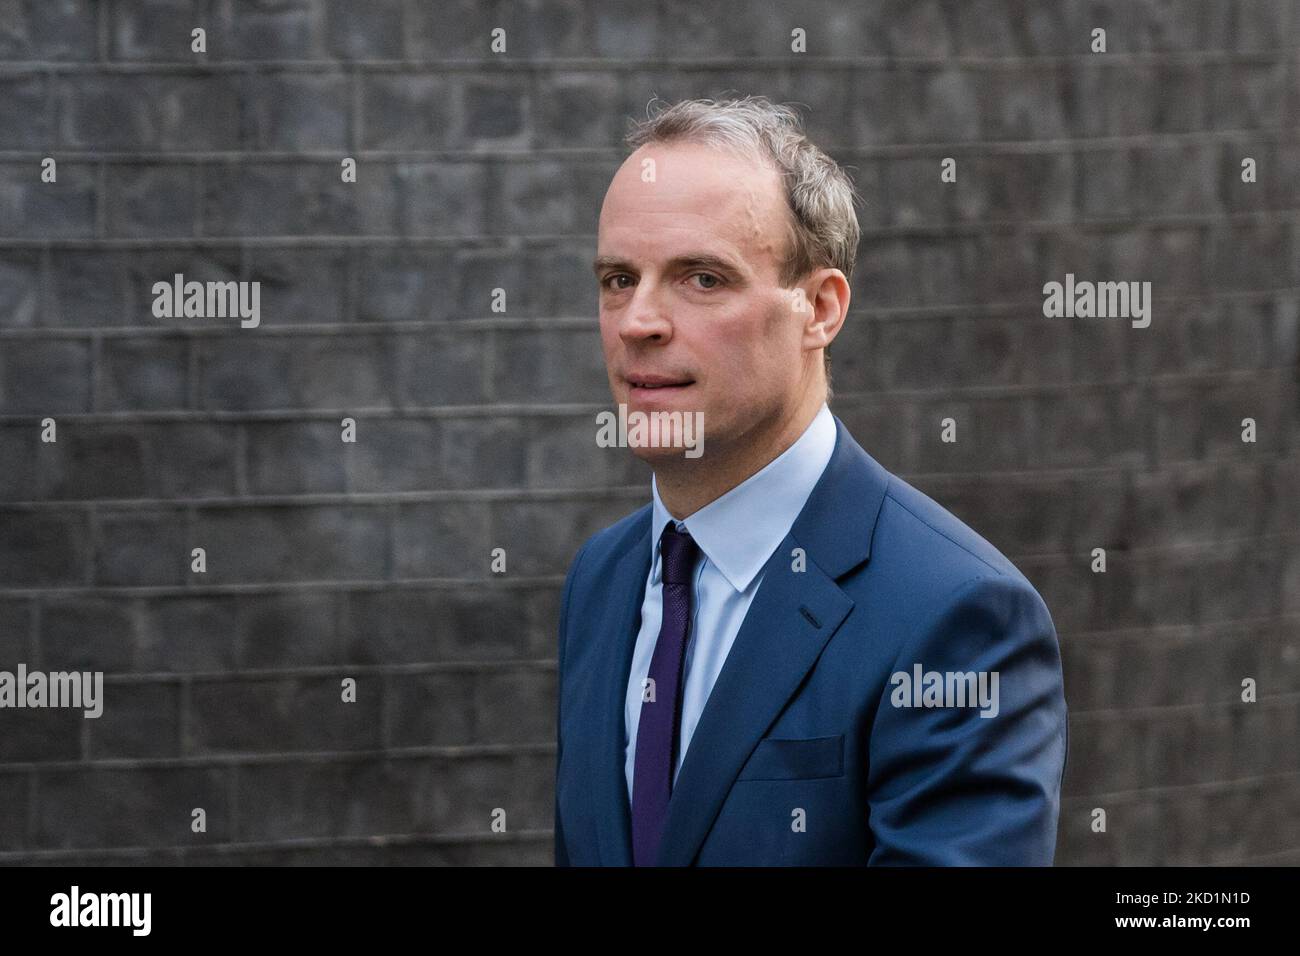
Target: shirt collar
739	531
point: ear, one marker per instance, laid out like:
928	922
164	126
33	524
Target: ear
824	298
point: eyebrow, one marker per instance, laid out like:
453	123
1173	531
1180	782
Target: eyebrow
690	259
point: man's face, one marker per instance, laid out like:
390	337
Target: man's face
689	298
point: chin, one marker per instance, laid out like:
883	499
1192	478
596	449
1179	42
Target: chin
658	455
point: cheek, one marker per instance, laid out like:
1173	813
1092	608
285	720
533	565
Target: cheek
742	355
766	338
609	338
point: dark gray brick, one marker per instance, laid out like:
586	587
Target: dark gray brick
551	366
562	453
88	634
460	795
418	625
298	112
301	285
442	199
293	199
106	462
886	428
560	282
48	30
1139	98
35	735
150	201
540	29
25	115
263	716
141	374
630	30
1239	585
357	797
146	548
1178	180
515	706
741	29
439	368
1018	517
438	454
139	720
906	353
18	444
480	271
251	371
307	543
446	539
186	634
298	630
450	30
543	537
372	32
406	285
534	793
191	458
301	457
496	111
409	111
20	288
95	808
255	30
13	823
132	111
1247	96
15	627
88	289
43	549
538	197
1247	256
32	209
157	32
992	434
1035	187
434	710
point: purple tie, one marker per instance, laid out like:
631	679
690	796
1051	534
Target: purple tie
656	734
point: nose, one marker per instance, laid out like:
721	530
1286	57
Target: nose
644	319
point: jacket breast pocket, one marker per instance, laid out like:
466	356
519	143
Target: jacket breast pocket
795	758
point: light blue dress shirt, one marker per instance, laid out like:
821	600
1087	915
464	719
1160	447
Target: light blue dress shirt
737	533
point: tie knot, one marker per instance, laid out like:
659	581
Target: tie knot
678	551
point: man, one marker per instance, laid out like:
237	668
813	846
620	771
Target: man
790	655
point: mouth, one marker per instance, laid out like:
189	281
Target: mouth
663	385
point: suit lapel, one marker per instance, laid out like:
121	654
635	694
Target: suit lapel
794	614
616	634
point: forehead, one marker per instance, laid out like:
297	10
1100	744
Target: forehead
700	196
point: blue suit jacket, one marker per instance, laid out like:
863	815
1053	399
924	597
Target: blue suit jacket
801	716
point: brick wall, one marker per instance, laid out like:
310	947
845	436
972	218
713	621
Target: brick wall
370	560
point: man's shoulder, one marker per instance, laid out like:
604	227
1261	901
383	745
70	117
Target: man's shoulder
930	545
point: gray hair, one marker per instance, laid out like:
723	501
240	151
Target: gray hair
819	193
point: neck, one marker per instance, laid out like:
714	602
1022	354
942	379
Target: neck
686	485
